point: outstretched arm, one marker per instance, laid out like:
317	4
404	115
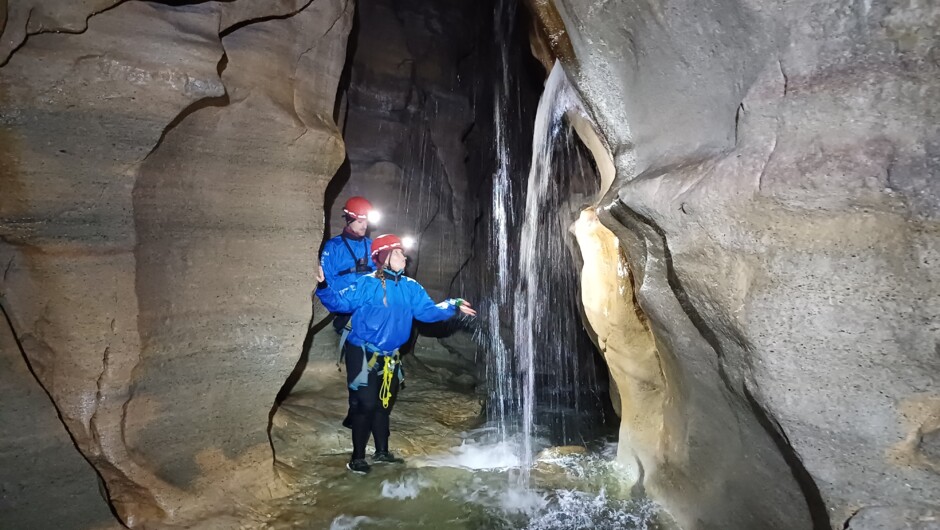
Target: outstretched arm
426	310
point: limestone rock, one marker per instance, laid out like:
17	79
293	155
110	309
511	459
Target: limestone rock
29	17
150	223
3	15
777	197
49	485
894	518
241	11
79	111
237	181
623	336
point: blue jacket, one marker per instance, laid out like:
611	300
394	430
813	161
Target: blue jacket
377	326
336	258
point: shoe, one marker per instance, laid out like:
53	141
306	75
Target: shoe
359	466
385	457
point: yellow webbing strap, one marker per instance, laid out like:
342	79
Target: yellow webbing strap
388	375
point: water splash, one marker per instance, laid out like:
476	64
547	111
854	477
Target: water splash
500	456
546	340
406	488
349	522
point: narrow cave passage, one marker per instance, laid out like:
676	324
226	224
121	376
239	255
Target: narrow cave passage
701	239
438	109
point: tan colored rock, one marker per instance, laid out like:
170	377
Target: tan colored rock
49	482
30	17
622	335
77	126
133	179
239	11
237	182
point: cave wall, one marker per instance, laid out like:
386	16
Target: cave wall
159	221
776	197
39	459
409	109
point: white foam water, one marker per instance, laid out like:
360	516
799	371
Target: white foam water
349	522
406	488
499	456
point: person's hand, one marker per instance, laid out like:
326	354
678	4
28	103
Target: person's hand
320	276
466	309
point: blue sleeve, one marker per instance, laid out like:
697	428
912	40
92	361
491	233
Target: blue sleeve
345	301
426	310
368	243
328	262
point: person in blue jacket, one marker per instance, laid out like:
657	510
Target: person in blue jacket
383	305
346	257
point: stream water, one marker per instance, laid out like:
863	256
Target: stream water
471	488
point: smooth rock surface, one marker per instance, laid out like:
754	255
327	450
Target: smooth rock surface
887	518
50	485
238	182
623	337
777	197
153	221
20	19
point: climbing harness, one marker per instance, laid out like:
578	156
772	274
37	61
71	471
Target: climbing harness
362	264
391	368
342	342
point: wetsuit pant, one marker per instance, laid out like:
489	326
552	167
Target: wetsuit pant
366	413
340	320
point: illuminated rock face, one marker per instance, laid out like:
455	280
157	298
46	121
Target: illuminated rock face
159	222
623	336
776	201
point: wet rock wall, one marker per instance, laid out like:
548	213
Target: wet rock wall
776	202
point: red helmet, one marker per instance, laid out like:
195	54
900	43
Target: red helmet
357	208
383	243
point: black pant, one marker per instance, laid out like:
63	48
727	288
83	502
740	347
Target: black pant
366	412
340	320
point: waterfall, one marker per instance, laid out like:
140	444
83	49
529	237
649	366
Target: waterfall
540	371
538	317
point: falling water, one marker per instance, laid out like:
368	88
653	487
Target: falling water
538	341
499	362
536	379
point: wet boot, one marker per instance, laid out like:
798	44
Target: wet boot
359	466
385	457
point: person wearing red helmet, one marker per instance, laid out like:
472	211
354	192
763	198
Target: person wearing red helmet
383	305
346	257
